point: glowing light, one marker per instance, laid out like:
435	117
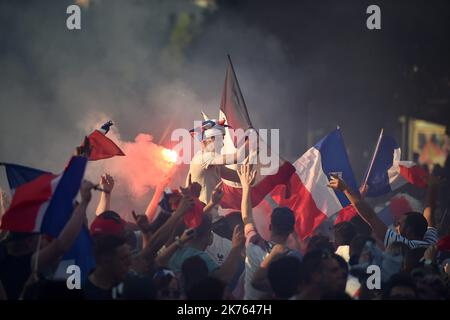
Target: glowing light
170	156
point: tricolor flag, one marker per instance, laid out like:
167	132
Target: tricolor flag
18	175
101	146
43	202
387	173
310	198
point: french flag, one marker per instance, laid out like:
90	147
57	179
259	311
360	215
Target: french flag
101	146
311	200
43	203
387	173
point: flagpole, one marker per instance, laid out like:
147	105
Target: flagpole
239	87
36	261
373	158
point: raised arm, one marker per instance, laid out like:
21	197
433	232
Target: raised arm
163	259
246	176
430	204
364	209
159	238
230	266
107	184
50	254
216	196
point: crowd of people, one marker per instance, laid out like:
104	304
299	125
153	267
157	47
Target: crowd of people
226	257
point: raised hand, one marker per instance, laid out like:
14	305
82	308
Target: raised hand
336	183
187	235
246	173
217	193
106	183
186	203
141	221
238	238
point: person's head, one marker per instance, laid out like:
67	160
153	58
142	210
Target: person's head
412	226
21	243
208	288
319	242
213	141
284	276
112	256
356	247
203	236
324	271
412	259
138	288
224	227
430	286
362	227
344	232
397	249
108	223
193	270
44	289
282	222
167	284
400	287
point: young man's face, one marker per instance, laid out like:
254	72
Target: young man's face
214	143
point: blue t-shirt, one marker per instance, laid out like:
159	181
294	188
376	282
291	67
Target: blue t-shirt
177	259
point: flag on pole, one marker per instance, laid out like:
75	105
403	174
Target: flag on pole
388	173
232	103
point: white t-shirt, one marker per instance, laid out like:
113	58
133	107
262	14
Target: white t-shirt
203	173
219	249
256	251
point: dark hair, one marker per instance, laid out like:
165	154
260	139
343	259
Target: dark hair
193	270
344	232
341	261
399	280
205	227
225	226
208	288
335	295
320	242
357	246
45	289
361	226
138	288
106	244
282	221
284	276
110	215
416	223
312	263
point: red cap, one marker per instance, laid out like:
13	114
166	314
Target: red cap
102	225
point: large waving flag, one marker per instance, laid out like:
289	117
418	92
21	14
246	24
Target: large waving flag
310	198
234	111
387	173
101	146
44	204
